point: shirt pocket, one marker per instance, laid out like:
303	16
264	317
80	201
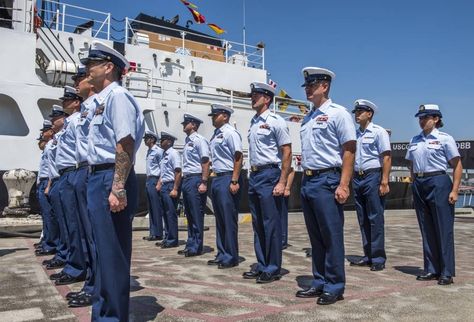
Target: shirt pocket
96	128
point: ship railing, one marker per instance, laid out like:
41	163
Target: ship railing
224	50
22	18
71	18
141	82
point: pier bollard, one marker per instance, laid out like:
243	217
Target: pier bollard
18	183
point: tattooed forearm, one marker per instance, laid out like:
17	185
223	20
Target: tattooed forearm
123	163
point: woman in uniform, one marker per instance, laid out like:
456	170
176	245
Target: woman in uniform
434	194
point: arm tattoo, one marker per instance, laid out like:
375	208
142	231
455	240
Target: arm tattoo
123	164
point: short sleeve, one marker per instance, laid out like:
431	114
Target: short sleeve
234	142
345	128
123	115
203	147
409	155
383	142
282	133
451	148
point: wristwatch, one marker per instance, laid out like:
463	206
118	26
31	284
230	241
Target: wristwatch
234	182
121	193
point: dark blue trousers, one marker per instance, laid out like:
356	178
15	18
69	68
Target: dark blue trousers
88	242
155	207
284	221
194	205
370	208
226	211
113	237
55	199
170	206
50	224
75	263
266	219
324	219
436	219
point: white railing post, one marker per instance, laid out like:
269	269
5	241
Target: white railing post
126	30
32	22
57	18
263	58
183	35
64	16
108	26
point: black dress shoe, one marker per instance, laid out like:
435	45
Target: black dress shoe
168	245
36	245
377	267
152	238
328	298
251	275
214	261
445	280
73	295
360	262
182	251
47	262
310	292
228	265
192	254
265	278
427	277
56	276
81	301
42	252
55	264
68	279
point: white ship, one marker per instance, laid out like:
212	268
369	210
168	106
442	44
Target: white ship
174	70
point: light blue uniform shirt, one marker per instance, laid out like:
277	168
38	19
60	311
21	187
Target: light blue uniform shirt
66	150
82	128
116	116
224	143
267	133
196	147
50	151
370	145
43	171
153	159
323	132
432	152
171	160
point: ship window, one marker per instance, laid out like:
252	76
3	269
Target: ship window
11	119
45	105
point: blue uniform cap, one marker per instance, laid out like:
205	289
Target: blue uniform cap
167	136
70	93
152	134
190	118
46	125
218	108
314	74
81	72
99	51
57	111
428	109
257	87
364	105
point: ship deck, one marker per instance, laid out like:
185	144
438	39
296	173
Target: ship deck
169	287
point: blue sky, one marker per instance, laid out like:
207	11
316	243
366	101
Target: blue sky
399	54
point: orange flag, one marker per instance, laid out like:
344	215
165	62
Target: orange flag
199	18
218	30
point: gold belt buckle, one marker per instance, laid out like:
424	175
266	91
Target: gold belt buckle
308	172
361	172
254	168
421	174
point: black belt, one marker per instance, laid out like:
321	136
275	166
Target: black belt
54	180
313	173
66	170
188	175
101	167
225	173
82	164
42	179
256	168
362	173
153	177
428	174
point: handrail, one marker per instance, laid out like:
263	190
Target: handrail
57	51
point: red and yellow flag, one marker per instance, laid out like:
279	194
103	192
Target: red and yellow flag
199	18
188	4
218	30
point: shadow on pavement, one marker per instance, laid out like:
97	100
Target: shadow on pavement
144	308
410	270
135	284
8	251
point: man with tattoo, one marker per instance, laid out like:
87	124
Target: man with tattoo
169	185
115	132
195	174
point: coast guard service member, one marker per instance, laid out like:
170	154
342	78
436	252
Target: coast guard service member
269	147
115	135
434	194
195	174
86	91
169	185
155	204
370	183
57	118
328	143
50	226
226	156
75	269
